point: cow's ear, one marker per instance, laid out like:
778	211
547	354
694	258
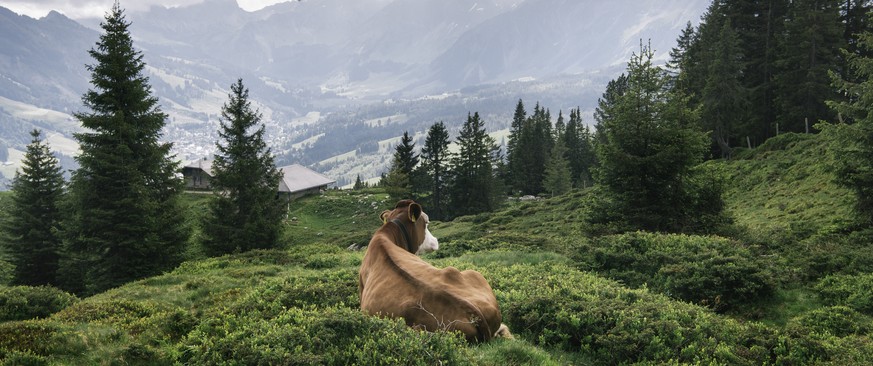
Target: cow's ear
414	212
384	216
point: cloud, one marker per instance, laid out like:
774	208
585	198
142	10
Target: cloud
78	9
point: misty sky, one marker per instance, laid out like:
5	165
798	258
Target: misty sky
78	9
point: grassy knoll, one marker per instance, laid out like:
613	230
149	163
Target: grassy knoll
788	284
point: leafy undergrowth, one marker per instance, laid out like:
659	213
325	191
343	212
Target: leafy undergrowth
783	190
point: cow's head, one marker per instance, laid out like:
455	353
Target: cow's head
415	221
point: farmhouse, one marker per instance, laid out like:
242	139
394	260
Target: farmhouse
297	180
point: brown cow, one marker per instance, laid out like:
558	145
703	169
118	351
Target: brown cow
395	282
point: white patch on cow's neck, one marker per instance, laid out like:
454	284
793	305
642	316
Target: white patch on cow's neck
429	244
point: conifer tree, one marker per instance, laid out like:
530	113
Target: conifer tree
648	151
809	49
514	156
30	232
401	180
247	210
359	184
124	220
474	187
853	153
435	158
580	149
724	99
557	175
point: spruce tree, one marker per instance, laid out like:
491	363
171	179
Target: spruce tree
247	210
557	175
30	231
724	99
435	158
580	149
809	49
514	156
650	146
359	184
474	187
853	152
402	180
124	220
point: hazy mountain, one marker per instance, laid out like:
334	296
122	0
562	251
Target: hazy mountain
322	67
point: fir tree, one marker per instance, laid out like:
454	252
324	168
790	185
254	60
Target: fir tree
30	235
435	158
648	152
247	211
514	155
402	177
124	220
853	153
580	149
557	175
359	184
474	187
724	99
809	50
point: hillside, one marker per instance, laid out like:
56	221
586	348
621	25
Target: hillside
784	285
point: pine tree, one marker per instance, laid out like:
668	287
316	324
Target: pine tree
514	156
557	175
402	177
124	220
809	50
580	149
606	105
724	99
435	158
247	210
853	152
649	148
474	186
30	235
359	184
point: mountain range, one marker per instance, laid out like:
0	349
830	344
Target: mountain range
329	75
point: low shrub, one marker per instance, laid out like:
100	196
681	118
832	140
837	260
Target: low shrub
711	271
325	289
40	337
22	359
25	302
113	311
840	321
553	305
854	291
331	336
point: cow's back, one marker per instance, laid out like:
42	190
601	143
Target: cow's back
396	283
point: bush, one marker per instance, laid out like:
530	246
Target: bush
553	305
332	336
854	291
40	337
317	290
840	321
25	302
710	271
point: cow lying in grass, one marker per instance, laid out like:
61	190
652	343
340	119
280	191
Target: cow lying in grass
395	282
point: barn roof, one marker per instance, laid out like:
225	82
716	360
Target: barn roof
296	178
202	164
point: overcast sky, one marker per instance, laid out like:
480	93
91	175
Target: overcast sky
77	9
